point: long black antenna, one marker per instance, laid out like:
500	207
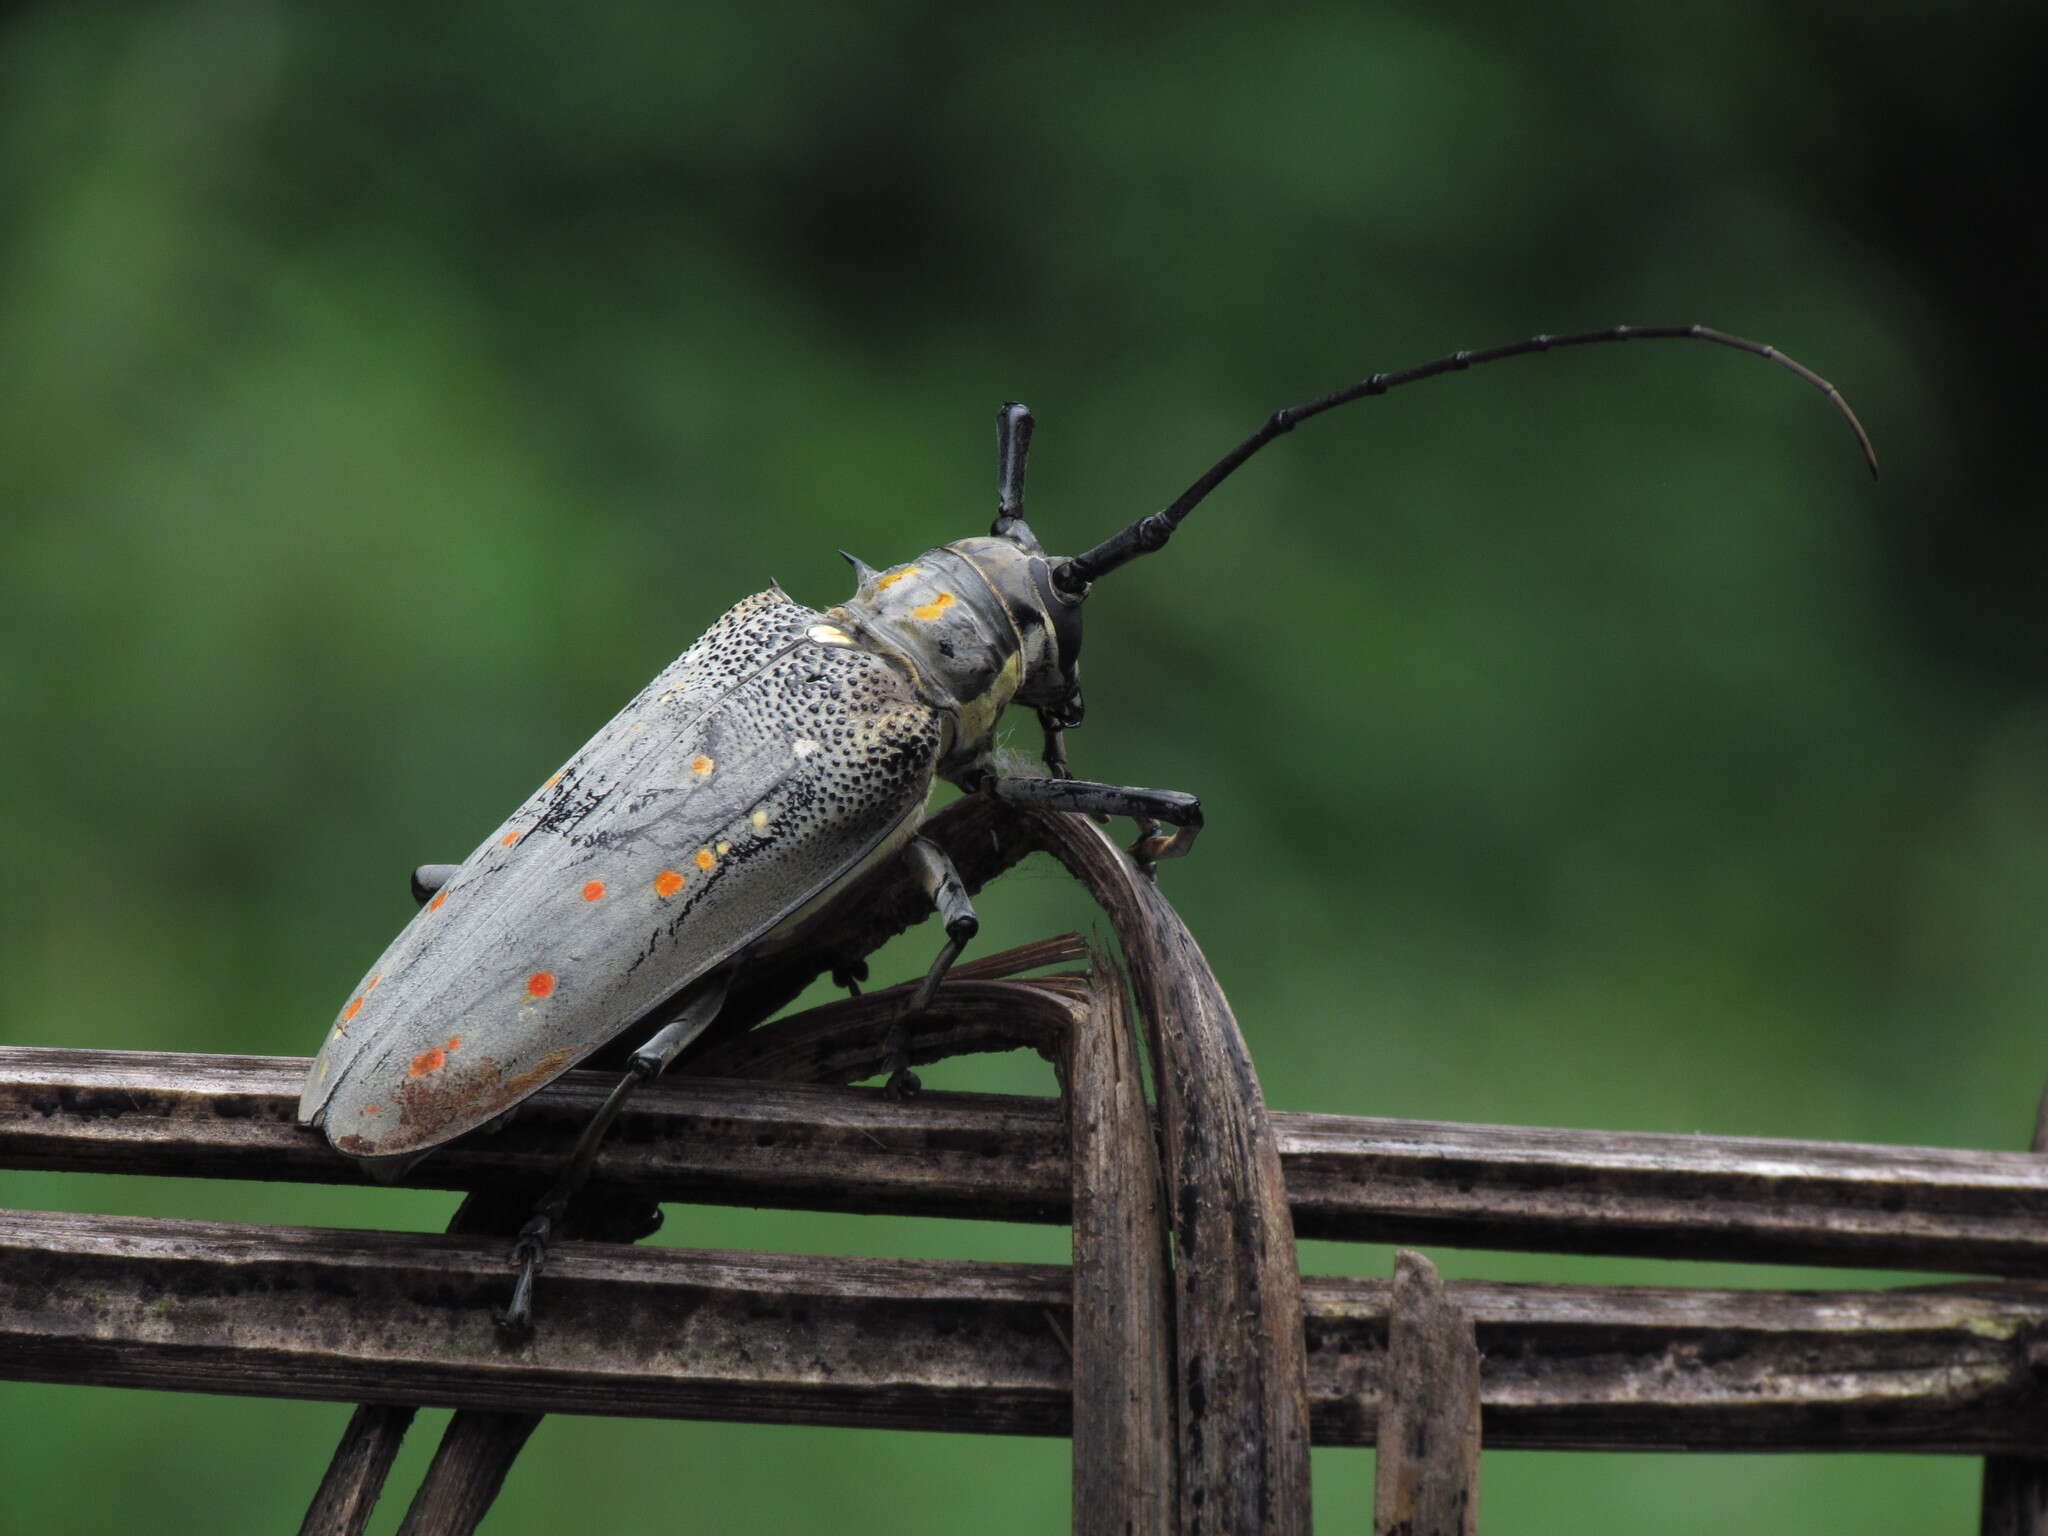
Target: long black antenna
1152	531
1013	446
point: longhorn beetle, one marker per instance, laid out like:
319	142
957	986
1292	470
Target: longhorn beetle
781	756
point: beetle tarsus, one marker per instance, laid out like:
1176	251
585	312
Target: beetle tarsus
529	1253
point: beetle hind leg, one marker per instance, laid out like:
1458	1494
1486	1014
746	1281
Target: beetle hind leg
650	1060
948	893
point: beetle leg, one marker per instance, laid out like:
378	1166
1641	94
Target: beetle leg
942	883
849	974
650	1060
429	878
1148	807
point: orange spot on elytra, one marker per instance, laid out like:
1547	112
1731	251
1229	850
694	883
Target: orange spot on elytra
509	838
701	766
373	984
893	577
427	1061
551	783
704	858
931	610
667	883
435	904
454	1043
594	891
541	983
371	1109
355	1006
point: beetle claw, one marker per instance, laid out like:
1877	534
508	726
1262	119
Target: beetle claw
903	1084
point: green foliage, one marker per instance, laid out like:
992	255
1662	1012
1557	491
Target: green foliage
390	392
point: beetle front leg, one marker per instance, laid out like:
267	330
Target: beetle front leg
1148	807
948	893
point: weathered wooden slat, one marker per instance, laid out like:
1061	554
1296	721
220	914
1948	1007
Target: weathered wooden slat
1241	1379
399	1317
2015	1493
469	1467
1126	1477
1427	1480
1944	1210
347	1495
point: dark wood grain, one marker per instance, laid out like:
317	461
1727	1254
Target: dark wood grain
1939	1209
404	1318
1241	1379
469	1467
2015	1494
347	1495
1426	1482
1126	1478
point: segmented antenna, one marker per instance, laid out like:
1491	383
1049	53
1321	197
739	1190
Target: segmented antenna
1013	446
1152	531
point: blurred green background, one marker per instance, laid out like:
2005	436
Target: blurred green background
389	391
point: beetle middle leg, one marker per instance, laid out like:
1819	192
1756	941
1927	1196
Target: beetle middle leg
948	893
700	1007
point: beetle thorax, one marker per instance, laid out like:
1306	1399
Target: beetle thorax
975	625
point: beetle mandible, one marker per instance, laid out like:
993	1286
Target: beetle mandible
780	757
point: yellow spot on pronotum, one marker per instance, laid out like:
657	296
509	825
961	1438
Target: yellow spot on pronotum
701	766
435	904
551	783
704	858
931	610
541	983
760	821
594	891
667	883
724	849
340	1033
893	577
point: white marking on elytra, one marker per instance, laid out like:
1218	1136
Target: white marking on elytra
760	821
803	746
829	634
